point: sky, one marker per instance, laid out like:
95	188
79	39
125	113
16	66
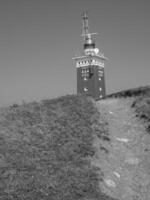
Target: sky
39	38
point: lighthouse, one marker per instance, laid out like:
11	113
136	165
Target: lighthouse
90	66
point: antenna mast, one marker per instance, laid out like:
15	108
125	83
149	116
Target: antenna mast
89	43
85	25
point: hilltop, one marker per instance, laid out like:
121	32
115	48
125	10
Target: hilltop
66	148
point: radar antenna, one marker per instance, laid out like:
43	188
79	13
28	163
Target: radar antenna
85	31
89	43
85	25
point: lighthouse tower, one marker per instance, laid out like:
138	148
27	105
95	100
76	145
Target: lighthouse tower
90	66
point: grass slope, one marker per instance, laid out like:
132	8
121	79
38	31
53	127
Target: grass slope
45	150
136	92
126	166
141	103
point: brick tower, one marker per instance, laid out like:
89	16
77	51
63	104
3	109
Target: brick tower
90	66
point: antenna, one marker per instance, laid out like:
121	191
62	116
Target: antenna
89	43
85	24
85	31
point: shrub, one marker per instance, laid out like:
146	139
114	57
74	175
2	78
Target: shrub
141	105
141	91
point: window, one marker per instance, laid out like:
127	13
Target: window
85	78
100	89
100	72
99	79
100	96
85	89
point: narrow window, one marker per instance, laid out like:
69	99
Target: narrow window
85	89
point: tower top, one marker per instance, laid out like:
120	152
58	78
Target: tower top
89	43
89	46
85	30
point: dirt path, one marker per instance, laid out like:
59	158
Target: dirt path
126	165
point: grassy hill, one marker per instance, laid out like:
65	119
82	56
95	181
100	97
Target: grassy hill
141	102
126	166
46	148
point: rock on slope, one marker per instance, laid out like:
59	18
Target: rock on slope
124	161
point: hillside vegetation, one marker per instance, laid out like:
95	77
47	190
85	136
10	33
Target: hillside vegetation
126	166
141	103
135	92
45	150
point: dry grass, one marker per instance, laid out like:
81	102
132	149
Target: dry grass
45	149
65	148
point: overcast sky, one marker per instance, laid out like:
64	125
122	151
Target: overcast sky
38	39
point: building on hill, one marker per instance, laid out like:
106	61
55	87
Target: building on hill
90	66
